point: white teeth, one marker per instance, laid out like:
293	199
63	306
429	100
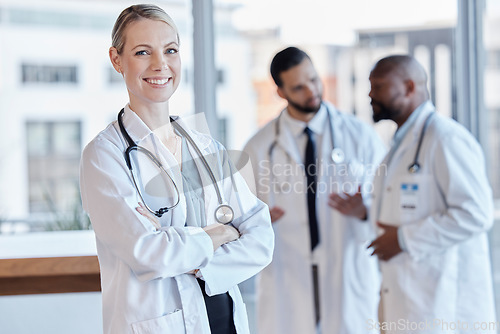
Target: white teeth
157	82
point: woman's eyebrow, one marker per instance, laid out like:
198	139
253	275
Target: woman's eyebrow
149	46
141	46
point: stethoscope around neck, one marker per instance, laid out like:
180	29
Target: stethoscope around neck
415	166
224	214
337	153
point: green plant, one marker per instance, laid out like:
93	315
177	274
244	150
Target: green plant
76	219
73	219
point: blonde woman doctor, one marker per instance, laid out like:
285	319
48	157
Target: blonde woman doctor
160	197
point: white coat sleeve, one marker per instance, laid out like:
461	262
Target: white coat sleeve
241	259
459	169
110	199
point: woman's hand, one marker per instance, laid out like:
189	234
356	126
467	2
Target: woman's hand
152	218
221	234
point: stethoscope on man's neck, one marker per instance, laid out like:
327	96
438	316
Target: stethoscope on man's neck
224	214
415	166
337	153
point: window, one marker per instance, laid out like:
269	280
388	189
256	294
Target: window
32	73
491	22
53	162
114	77
493	59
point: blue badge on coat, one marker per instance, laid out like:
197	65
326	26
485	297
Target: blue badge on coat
409	193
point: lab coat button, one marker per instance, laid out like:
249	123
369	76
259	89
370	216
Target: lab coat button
389	188
385	290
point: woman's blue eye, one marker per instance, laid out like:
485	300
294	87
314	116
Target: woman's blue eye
171	51
141	53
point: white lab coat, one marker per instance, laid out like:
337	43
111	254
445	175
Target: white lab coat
349	278
445	275
144	285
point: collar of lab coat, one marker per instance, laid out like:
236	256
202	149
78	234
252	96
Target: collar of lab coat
316	124
291	129
138	130
410	140
426	108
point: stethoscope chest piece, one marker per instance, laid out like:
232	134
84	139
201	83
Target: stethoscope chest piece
224	214
338	155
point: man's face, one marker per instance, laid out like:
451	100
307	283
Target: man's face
302	87
386	93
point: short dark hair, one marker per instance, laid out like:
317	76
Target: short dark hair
284	60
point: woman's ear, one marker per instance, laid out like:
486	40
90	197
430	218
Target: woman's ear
115	59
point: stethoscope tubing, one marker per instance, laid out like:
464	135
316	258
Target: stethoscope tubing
274	144
203	160
277	131
415	166
223	214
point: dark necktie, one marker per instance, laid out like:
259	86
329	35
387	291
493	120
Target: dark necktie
310	166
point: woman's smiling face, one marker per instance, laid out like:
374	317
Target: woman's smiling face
150	62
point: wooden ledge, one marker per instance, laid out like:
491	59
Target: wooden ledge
49	275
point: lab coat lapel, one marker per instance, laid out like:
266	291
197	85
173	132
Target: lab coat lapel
213	159
287	142
336	129
203	144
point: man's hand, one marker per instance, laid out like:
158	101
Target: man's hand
386	246
276	213
349	205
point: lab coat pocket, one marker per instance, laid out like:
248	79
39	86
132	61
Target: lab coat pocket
169	323
414	197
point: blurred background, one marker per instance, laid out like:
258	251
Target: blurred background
58	90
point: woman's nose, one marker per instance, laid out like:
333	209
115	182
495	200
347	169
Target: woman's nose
160	62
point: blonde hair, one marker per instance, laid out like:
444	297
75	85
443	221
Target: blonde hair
135	13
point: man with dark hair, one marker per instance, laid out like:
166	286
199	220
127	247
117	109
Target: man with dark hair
284	60
433	207
313	166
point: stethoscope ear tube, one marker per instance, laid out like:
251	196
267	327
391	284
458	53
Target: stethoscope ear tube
122	129
130	142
